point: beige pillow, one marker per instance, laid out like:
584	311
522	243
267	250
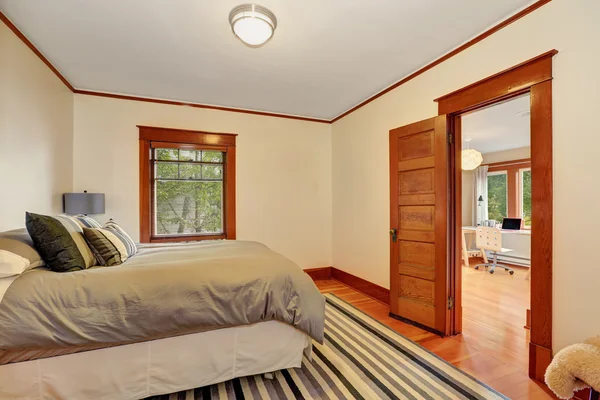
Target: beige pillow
12	264
19	242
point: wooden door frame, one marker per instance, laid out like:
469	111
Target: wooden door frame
533	76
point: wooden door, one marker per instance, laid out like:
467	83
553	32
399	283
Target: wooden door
420	223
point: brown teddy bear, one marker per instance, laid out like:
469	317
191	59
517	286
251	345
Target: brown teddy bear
574	368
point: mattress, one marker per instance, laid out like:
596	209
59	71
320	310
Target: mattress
162	366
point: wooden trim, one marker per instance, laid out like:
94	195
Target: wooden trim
443	227
145	201
370	289
455	279
510	167
199	105
224	142
513	193
186	136
503	85
493	90
583	394
319	273
171	145
539	360
541	215
38	53
449	55
509	162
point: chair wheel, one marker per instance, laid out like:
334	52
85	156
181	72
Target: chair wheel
476	267
492	271
511	272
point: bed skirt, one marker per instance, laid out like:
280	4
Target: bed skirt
139	370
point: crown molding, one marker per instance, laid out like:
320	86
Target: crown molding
429	66
197	105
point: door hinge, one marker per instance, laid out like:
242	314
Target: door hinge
450	303
450	138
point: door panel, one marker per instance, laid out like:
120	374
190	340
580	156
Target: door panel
420	181
419	184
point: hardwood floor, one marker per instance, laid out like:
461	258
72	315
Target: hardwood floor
494	345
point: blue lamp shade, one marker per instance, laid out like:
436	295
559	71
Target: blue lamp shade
83	203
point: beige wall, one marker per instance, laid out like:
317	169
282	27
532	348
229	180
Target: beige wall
468	179
36	132
360	154
283	170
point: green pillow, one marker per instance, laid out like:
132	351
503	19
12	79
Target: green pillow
54	243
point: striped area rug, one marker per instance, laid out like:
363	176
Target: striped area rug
360	359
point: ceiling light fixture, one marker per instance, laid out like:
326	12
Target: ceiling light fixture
252	24
471	158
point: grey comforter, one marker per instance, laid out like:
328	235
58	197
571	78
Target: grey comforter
162	291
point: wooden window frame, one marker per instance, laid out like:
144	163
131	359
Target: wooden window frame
533	76
182	138
514	192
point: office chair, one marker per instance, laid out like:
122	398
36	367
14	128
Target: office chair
487	238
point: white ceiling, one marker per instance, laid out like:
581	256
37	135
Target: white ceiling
499	127
326	55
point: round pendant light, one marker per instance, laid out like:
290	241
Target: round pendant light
471	158
254	25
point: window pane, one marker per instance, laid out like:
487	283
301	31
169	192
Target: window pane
526	187
166	154
497	197
189	155
212	156
212	172
189	207
166	170
190	171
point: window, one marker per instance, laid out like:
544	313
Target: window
525	197
497	183
187	185
509	190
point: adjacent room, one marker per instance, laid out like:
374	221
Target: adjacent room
348	199
496	223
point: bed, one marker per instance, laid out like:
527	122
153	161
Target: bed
173	317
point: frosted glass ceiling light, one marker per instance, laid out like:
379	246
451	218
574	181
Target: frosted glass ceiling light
471	158
252	24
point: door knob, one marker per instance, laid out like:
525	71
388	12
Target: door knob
394	234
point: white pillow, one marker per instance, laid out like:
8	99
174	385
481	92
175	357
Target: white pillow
12	264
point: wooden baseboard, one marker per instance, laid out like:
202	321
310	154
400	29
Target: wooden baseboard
370	289
582	394
539	359
319	273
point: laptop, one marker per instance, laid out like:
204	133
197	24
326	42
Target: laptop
511	224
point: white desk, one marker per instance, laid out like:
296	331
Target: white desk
518	241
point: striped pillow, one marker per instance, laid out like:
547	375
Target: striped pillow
76	233
121	234
107	247
87	222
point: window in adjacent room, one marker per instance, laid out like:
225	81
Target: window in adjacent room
497	195
187	185
525	190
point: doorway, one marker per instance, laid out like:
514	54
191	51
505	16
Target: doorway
496	227
435	281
